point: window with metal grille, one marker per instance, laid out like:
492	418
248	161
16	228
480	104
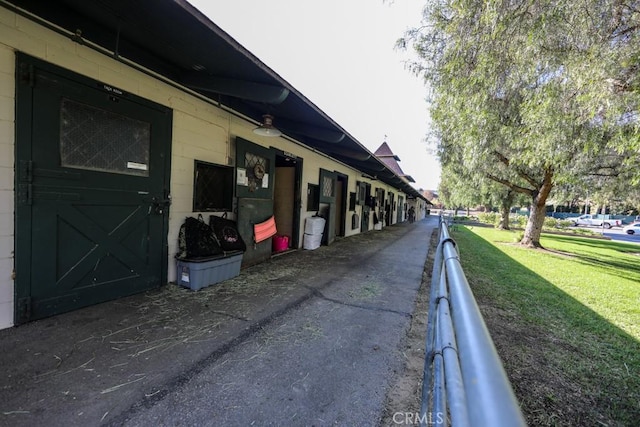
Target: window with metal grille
212	187
96	139
328	187
363	191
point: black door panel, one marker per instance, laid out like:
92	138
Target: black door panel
92	168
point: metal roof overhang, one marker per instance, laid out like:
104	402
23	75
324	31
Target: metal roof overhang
173	39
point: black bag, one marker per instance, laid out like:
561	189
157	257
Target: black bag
227	233
196	240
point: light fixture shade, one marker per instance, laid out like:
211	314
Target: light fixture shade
266	128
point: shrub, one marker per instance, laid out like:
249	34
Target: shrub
518	221
555	223
564	223
550	222
489	218
583	231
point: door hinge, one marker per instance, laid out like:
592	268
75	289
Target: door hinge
23	310
25	194
25	179
26	171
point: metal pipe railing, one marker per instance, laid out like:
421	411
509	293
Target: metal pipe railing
464	382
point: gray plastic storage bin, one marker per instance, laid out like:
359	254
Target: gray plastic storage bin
197	274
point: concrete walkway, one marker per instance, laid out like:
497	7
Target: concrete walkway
306	338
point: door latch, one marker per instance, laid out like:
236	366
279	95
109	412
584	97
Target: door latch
158	206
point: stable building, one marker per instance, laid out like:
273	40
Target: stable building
120	119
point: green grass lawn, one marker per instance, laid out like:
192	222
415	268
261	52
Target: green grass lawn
565	320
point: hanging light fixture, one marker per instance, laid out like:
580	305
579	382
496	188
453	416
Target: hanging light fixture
266	127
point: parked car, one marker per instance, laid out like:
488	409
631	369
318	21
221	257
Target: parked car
593	221
632	228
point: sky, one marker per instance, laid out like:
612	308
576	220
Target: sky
340	55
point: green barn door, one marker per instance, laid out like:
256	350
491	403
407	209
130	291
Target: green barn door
256	166
92	199
328	196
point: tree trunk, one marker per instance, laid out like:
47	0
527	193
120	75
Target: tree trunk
505	207
533	230
504	217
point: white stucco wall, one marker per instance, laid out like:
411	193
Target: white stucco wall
7	121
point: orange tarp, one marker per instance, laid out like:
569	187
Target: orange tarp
264	230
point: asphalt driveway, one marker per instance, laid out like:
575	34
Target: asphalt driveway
306	338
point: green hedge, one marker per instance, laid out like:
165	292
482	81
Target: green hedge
520	221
